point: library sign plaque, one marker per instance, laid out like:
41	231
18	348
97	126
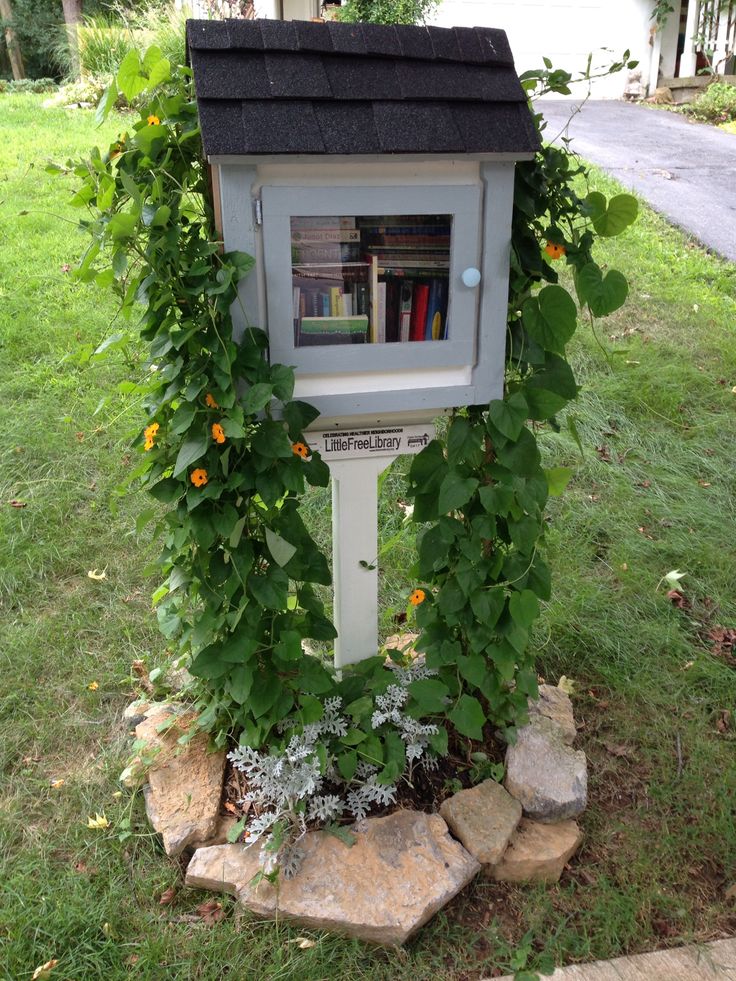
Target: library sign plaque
352	444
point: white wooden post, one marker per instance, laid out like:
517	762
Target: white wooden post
687	59
355	541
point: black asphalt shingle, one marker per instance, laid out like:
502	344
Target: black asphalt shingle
296	87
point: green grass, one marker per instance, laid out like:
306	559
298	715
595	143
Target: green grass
660	842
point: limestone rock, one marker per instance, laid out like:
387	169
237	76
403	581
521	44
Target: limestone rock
219	837
538	852
223	868
483	818
401	870
554	703
546	776
184	782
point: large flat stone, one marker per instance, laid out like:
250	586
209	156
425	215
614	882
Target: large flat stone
184	782
538	852
401	870
483	818
709	962
554	704
222	868
546	776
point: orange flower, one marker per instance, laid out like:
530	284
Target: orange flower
300	449
210	401
555	251
150	432
417	596
153	121
218	433
198	477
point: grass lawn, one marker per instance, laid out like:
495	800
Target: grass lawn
653	492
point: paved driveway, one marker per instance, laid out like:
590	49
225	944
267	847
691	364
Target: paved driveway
686	171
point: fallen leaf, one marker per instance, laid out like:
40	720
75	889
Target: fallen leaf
97	575
723	724
617	750
211	912
567	685
55	784
118	793
730	892
80	437
604	453
17	504
132	960
678	599
167	897
44	971
624	566
673	577
93	685
230	807
704	483
98	822
645	483
65	268
108	931
303	943
687	665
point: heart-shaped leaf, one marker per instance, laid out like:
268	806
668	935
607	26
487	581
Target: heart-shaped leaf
550	318
603	294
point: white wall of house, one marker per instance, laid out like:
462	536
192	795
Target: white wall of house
565	31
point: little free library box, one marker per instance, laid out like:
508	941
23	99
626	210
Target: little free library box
369	169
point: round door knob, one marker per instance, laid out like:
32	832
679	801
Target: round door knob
471	277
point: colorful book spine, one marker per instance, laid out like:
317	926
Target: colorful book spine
418	318
407	290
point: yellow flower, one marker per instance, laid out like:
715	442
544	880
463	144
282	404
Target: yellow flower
93	685
300	449
554	250
218	433
210	401
198	477
417	596
44	971
153	121
99	822
148	445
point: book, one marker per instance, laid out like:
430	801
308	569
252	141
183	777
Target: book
407	289
381	319
319	236
333	330
393	313
418	316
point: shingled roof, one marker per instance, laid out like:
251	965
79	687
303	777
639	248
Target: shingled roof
286	87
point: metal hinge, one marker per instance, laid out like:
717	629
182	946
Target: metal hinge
258	211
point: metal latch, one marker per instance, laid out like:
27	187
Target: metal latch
258	211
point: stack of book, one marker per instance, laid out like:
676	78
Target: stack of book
373	279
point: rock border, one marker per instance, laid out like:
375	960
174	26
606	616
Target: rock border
405	866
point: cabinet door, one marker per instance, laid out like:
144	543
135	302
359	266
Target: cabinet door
369	279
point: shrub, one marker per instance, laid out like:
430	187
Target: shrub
716	105
387	11
29	85
103	43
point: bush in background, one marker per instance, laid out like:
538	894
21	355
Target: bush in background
716	105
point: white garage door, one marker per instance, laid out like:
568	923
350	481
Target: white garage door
564	31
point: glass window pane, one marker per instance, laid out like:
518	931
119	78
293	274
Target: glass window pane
371	279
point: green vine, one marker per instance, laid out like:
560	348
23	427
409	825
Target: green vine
224	449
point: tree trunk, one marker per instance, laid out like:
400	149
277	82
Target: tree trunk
16	59
72	19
